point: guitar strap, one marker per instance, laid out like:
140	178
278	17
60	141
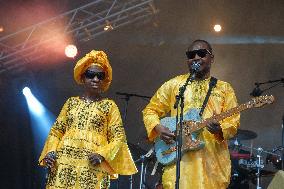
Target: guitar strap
212	84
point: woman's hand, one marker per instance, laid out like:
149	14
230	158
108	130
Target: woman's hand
165	134
96	159
49	159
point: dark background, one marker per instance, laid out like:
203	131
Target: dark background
143	56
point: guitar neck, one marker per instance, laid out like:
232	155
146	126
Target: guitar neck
191	126
194	126
223	115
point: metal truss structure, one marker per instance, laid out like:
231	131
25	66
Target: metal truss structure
82	24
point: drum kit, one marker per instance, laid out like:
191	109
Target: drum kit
248	166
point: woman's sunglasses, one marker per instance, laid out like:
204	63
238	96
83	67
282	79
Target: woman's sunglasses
90	75
200	52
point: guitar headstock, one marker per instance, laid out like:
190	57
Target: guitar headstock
260	101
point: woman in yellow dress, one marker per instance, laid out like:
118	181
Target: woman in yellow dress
87	143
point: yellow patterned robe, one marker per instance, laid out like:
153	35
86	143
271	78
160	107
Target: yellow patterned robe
81	129
210	167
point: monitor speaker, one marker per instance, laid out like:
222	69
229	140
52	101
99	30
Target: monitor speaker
277	181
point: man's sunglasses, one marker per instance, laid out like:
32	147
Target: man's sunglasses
200	52
90	75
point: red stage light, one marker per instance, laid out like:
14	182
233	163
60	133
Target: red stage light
71	51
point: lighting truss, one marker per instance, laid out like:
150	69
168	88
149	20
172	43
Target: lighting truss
82	24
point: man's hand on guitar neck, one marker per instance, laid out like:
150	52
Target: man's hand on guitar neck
165	134
214	127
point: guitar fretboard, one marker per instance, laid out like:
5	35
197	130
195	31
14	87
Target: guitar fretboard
191	126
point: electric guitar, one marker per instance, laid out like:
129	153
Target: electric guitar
193	125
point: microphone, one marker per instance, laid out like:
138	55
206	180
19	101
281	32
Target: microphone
256	91
195	66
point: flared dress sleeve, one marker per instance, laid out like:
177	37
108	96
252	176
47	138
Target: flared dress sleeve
56	133
118	159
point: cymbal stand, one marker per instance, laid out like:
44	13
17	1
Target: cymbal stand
141	185
142	169
259	166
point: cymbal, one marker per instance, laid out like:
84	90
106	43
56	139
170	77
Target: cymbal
245	135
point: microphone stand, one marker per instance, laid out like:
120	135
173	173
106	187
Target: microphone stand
257	91
127	98
282	143
180	98
259	166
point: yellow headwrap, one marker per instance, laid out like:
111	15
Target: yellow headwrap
94	58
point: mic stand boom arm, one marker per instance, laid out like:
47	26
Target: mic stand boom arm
271	81
132	94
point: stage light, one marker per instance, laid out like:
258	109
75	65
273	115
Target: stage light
41	119
1	28
26	91
108	26
71	51
217	28
33	104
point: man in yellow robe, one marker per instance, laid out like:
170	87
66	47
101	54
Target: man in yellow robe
209	167
87	143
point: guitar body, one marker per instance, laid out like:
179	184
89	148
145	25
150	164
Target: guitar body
161	147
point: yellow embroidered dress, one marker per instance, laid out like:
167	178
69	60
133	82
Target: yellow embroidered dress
209	167
83	128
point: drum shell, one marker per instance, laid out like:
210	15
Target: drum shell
275	160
